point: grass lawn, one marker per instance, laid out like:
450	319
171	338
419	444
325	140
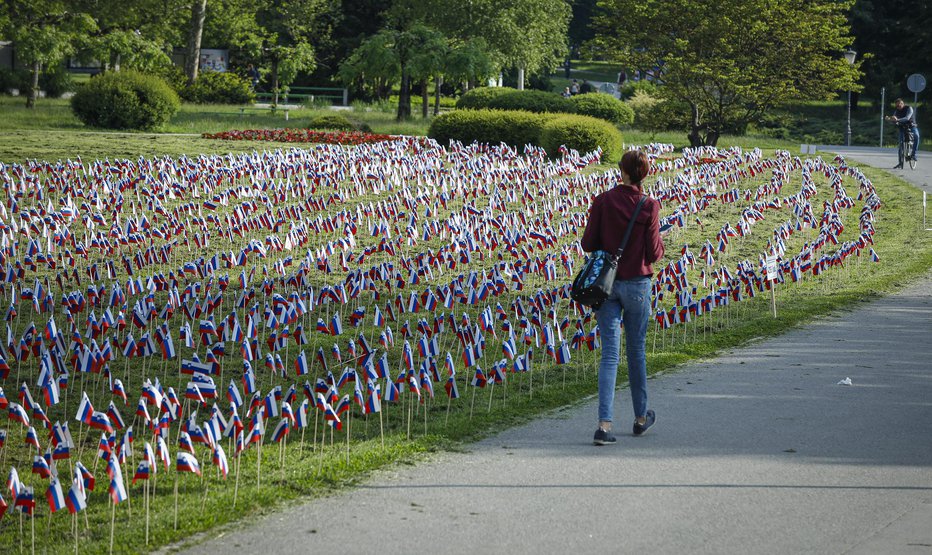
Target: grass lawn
317	466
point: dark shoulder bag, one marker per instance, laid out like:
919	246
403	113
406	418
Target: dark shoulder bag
594	282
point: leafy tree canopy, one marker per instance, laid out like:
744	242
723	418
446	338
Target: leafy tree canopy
728	62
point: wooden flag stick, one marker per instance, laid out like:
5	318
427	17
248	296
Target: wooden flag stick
113	521
349	428
410	412
449	402
381	429
236	483
147	512
176	500
258	463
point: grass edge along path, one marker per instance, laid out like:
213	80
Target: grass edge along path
304	472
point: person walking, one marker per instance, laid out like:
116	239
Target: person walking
630	299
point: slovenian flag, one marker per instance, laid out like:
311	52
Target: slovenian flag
187	463
76	499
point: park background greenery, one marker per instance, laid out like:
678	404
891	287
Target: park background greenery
760	66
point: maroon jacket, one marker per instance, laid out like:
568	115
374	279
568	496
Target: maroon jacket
608	220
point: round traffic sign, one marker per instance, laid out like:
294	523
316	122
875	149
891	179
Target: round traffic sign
916	83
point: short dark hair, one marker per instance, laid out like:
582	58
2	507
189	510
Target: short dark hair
898	100
636	164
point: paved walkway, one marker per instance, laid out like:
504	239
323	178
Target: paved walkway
886	158
756	451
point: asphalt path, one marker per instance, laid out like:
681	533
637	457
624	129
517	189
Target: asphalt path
759	450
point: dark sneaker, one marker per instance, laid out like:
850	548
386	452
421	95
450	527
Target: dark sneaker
649	420
898	167
603	438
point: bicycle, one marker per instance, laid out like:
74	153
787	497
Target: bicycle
906	145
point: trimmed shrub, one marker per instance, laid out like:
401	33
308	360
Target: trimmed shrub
213	87
338	122
540	102
487	126
516	128
603	106
582	133
125	100
480	98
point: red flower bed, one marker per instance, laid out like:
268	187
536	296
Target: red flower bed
305	136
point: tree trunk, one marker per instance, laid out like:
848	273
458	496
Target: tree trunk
425	99
34	88
437	84
521	78
275	90
193	52
695	128
404	96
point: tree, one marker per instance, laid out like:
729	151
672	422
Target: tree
372	67
894	40
529	35
280	35
398	54
195	31
128	34
731	61
45	32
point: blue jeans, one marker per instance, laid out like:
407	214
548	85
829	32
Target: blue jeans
915	132
630	302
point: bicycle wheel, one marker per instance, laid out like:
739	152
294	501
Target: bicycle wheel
901	153
912	163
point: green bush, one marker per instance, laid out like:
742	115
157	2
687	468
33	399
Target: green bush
9	80
332	121
125	100
541	102
516	128
480	98
338	122
655	114
631	88
642	104
582	133
213	87
487	126
55	82
603	106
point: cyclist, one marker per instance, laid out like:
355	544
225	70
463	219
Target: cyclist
905	118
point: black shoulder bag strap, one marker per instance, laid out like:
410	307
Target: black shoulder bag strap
634	216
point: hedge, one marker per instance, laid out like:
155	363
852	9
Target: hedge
125	100
518	128
338	122
515	128
213	87
603	106
582	133
480	98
